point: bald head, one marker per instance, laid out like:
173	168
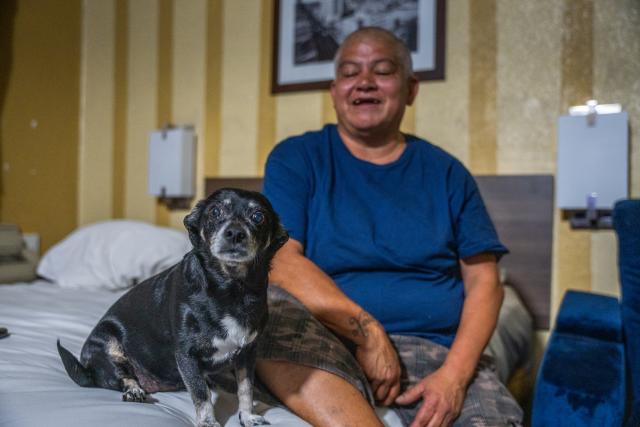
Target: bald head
381	35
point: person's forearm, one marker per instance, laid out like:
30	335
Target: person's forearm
318	292
479	317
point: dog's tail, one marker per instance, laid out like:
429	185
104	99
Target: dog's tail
78	373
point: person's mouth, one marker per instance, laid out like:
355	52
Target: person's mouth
365	101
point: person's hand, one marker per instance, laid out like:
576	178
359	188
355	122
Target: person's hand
379	361
442	396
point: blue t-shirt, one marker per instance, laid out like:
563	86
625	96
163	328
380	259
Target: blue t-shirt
391	235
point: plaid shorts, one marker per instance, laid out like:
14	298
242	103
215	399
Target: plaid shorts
293	334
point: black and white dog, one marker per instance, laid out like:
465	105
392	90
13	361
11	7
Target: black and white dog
177	328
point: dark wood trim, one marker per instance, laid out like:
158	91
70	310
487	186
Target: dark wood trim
245	183
438	72
521	207
275	56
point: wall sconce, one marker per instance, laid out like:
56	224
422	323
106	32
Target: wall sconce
172	157
593	163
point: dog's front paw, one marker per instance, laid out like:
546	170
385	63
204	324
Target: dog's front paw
134	395
247	420
208	423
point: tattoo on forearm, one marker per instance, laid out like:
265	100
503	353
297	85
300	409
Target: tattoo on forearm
360	324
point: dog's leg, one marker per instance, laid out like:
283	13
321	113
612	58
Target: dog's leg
132	391
113	369
199	390
244	368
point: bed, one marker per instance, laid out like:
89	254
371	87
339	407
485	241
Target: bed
93	266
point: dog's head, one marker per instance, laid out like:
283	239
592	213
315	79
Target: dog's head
235	227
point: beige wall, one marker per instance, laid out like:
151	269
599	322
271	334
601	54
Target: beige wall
511	69
39	100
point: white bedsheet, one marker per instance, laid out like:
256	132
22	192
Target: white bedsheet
36	391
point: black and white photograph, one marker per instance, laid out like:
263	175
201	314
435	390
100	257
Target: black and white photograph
308	32
321	26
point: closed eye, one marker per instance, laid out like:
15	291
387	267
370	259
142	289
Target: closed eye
385	68
348	69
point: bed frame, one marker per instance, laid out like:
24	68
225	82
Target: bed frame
521	207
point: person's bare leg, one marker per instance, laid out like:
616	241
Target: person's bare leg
317	396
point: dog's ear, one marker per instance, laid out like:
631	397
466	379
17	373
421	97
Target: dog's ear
192	223
280	237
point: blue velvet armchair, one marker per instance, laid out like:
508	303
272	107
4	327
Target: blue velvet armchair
590	372
626	220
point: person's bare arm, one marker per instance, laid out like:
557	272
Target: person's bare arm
303	279
443	391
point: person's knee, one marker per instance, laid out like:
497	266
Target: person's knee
288	380
284	379
318	396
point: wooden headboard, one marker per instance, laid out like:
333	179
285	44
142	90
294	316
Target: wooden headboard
521	207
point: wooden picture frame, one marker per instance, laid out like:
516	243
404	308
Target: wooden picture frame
307	34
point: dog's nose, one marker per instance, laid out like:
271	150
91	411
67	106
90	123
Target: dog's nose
235	235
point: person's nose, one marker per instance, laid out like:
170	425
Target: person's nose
366	81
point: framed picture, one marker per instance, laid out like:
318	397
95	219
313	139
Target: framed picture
307	34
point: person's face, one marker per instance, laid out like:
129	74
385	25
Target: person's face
371	88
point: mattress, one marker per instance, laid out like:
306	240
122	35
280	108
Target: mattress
36	391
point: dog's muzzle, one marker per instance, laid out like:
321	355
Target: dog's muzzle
233	243
235	235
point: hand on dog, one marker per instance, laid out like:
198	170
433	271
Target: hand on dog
379	361
442	397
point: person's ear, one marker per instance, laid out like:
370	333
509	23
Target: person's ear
412	88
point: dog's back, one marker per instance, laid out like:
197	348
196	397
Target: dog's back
137	326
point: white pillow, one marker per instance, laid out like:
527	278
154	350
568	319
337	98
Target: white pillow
113	255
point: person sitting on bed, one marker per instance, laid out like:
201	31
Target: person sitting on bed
393	250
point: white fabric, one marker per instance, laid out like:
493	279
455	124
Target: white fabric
113	255
511	344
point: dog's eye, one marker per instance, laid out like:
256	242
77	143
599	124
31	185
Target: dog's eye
257	217
216	212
